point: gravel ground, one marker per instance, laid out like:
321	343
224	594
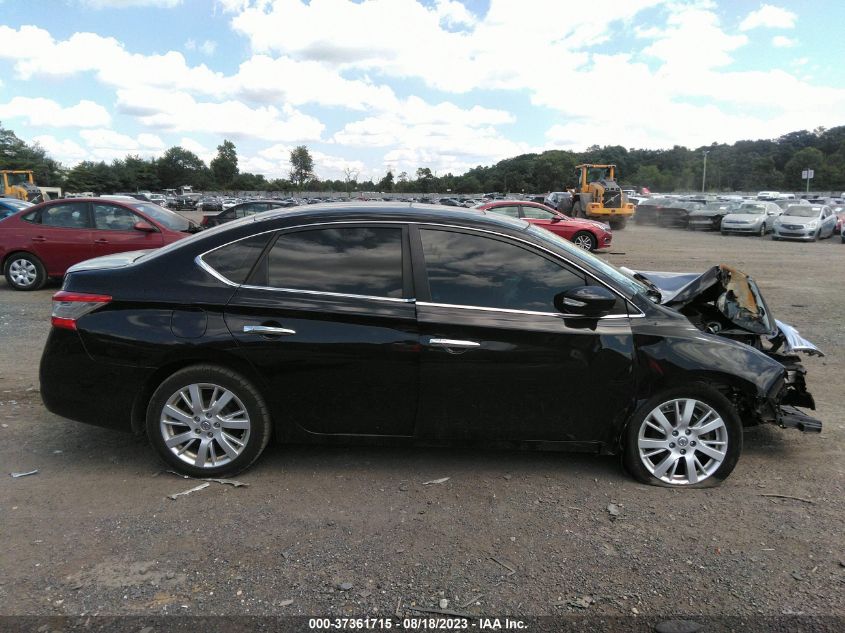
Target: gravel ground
334	531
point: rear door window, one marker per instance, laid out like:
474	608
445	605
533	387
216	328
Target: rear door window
67	215
351	260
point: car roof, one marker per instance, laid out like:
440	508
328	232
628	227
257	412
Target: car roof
376	211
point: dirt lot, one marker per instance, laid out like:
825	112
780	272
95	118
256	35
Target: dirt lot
354	531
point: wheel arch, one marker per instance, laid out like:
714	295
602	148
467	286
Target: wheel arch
171	366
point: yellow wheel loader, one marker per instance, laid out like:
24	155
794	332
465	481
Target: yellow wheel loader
20	183
597	196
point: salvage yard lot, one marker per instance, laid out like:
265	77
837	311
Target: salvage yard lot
335	530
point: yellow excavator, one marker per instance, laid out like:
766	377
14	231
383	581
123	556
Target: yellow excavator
597	196
20	183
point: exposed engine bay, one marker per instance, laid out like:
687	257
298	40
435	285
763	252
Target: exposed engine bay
727	302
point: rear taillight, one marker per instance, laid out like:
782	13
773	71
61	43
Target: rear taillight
68	307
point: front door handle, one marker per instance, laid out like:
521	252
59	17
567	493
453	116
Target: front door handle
453	346
101	241
268	330
39	238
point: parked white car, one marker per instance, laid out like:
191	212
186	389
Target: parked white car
805	222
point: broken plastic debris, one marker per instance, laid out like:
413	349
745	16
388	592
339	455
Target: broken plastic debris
230	482
187	492
31	472
437	481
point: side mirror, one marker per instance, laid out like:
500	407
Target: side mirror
556	218
588	301
146	227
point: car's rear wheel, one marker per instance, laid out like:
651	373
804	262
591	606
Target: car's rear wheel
207	420
585	240
25	272
686	437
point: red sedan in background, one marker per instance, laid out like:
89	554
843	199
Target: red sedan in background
45	240
587	234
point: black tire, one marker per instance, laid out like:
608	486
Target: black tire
763	230
724	232
618	224
260	423
816	236
14	264
585	240
775	238
703	394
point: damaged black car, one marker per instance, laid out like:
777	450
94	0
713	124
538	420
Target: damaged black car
418	325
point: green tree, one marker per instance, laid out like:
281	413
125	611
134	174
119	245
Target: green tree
225	165
179	166
386	183
301	166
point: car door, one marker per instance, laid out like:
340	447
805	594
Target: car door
498	361
328	319
114	230
61	236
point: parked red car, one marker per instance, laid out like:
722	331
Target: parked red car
45	240
587	234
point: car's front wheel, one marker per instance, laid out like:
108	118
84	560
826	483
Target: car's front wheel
25	272
585	240
684	437
207	420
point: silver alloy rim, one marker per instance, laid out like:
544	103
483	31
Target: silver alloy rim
683	441
205	425
583	241
23	272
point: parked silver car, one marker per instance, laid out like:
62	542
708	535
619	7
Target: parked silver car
755	218
808	222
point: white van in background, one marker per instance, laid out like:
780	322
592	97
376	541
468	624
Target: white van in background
768	195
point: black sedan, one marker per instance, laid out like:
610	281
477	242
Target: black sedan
241	210
402	324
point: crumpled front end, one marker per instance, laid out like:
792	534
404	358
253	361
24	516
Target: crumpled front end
728	303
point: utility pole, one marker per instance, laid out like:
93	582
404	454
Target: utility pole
704	173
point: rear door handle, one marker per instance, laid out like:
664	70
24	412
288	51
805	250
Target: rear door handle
101	241
268	329
453	346
39	238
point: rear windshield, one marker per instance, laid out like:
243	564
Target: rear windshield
168	218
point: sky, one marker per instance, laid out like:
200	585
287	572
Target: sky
373	85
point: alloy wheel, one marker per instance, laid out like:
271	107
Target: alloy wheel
23	272
682	441
583	241
205	425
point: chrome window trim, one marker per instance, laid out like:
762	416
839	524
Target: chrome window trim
561	315
199	260
323	293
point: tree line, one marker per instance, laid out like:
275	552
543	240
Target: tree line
771	164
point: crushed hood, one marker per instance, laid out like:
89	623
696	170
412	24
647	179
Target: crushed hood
737	298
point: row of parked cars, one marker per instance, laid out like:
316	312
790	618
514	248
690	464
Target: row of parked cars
787	219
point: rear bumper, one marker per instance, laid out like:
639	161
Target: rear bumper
75	386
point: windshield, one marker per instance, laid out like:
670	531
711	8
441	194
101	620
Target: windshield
803	211
752	209
166	217
580	255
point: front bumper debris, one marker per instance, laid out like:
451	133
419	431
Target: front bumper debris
792	418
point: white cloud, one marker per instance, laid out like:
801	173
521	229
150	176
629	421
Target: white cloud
179	112
66	151
197	148
106	144
781	41
124	4
769	16
39	111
